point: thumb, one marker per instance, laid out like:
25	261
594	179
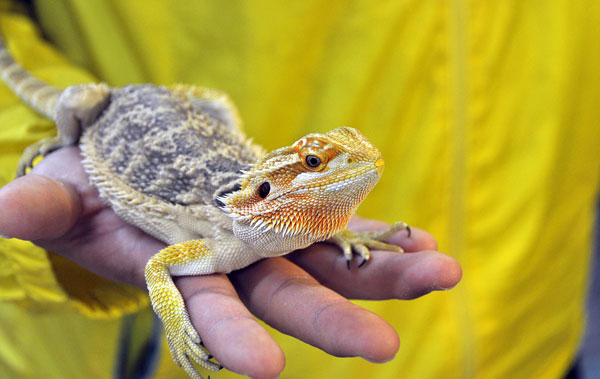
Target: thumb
37	207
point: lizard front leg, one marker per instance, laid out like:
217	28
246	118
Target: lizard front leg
362	242
168	304
77	107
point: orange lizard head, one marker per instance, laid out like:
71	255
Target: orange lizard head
304	193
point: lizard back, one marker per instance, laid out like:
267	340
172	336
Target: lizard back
168	147
161	158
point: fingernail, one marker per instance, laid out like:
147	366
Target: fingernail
378	360
439	288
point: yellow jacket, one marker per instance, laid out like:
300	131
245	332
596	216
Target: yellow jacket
486	112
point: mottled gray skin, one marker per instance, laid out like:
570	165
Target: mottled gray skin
169	147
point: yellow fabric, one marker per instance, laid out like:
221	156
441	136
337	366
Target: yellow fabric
486	113
28	273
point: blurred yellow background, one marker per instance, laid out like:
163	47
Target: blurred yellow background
487	114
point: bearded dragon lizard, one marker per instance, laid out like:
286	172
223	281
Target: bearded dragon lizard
175	162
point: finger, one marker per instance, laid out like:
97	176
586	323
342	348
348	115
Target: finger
65	166
419	240
290	300
36	207
227	328
388	275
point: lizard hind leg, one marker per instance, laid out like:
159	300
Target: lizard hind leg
167	302
77	107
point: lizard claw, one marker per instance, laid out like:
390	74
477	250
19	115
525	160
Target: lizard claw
38	149
361	243
185	348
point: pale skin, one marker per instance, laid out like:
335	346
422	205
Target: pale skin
304	294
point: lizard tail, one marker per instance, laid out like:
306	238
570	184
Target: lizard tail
40	96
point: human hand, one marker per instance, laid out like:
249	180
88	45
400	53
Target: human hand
304	294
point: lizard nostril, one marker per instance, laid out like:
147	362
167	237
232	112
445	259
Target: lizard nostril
379	163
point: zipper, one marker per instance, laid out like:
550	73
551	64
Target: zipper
460	86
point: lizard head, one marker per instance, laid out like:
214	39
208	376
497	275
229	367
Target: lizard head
304	193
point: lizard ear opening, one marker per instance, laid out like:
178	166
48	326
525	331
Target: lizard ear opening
264	189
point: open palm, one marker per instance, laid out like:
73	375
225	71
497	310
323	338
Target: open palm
304	294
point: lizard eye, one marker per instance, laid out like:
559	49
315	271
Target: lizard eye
314	154
264	190
313	161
